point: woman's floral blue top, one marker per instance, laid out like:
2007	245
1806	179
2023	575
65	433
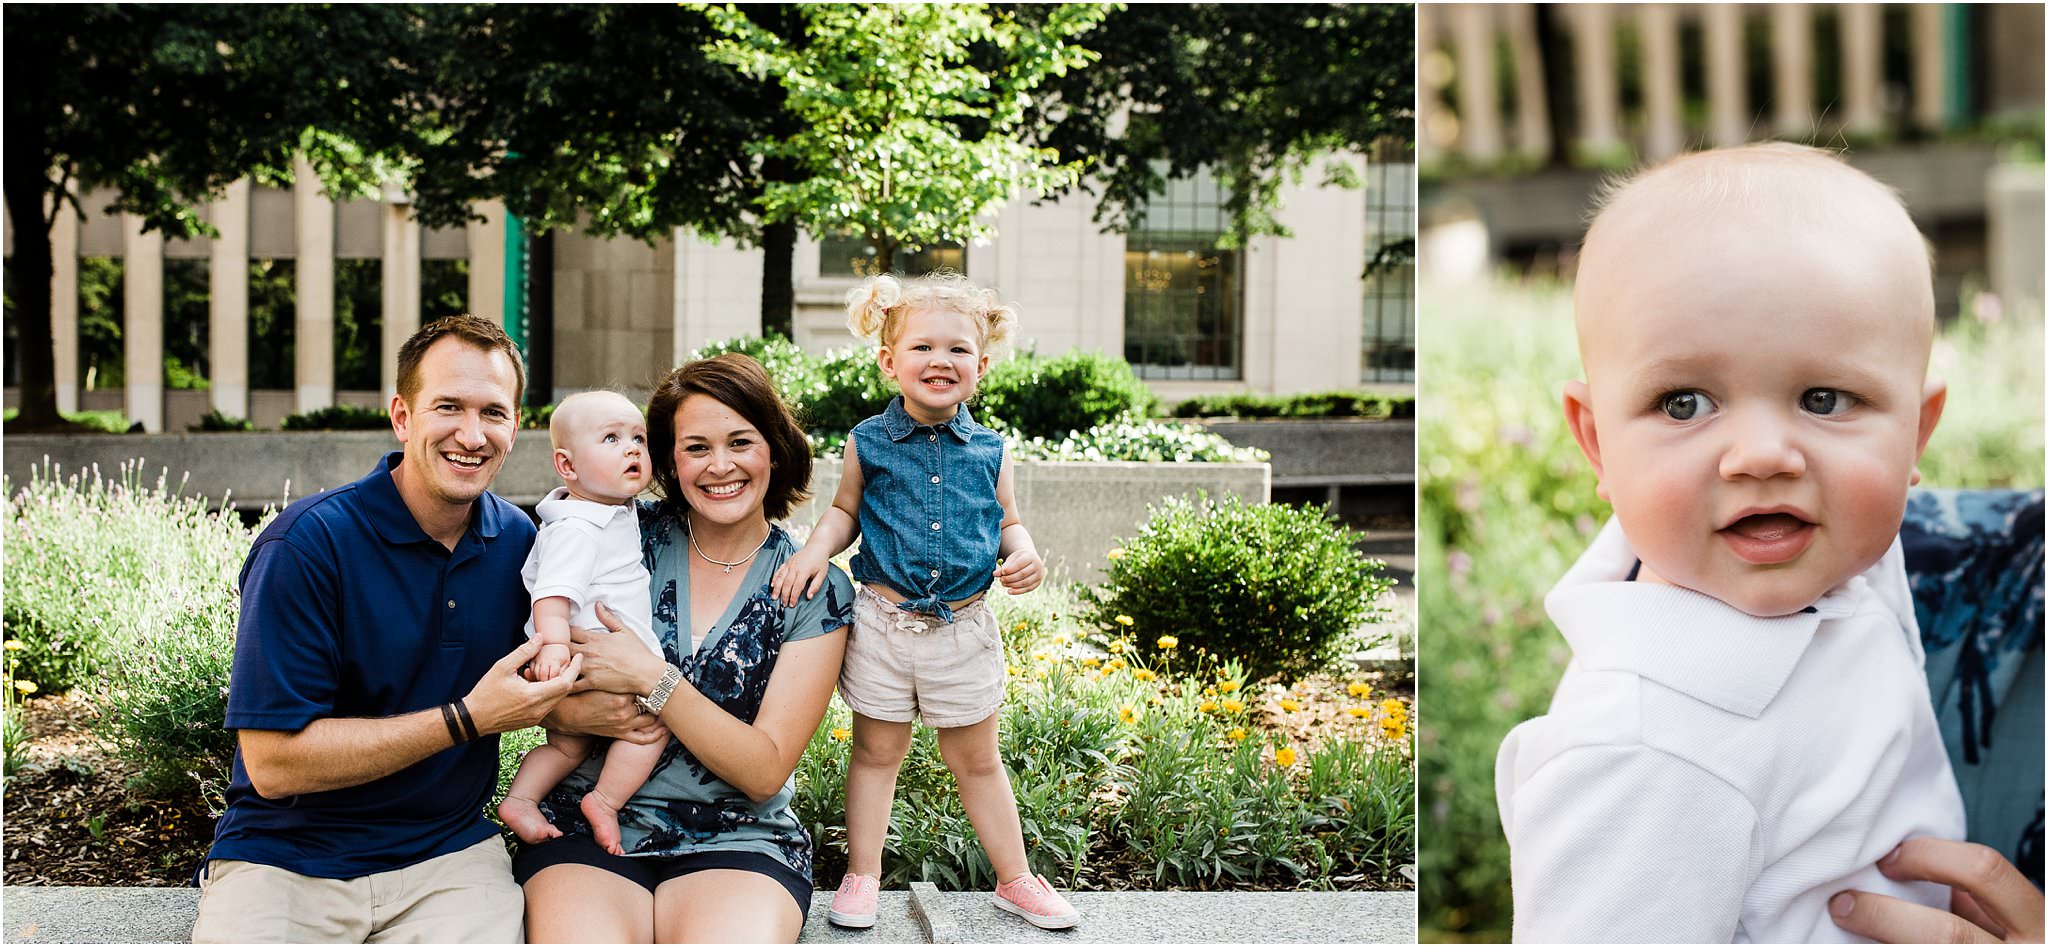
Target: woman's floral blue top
683	807
1974	560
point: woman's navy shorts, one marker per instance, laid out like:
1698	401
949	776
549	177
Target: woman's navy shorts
649	871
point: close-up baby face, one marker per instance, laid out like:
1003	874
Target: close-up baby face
1754	403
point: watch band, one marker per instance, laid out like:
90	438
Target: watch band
653	703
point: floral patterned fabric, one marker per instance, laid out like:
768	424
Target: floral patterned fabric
684	807
1973	558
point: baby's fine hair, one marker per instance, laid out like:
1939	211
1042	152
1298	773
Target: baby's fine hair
875	309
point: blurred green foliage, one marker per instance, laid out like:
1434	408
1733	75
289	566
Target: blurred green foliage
1508	504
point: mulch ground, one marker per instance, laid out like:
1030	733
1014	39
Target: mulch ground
67	817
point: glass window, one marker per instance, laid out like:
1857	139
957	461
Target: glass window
1183	309
1388	351
101	308
444	289
358	324
850	255
187	348
273	294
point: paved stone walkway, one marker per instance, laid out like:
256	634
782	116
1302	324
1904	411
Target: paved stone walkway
924	914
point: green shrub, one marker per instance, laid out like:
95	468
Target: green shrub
1277	587
535	417
1051	397
110	422
216	421
339	417
165	701
797	374
851	389
1327	404
1145	441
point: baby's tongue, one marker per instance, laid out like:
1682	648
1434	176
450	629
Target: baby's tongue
1767	527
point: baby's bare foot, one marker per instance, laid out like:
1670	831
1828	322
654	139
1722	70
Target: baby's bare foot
604	821
524	817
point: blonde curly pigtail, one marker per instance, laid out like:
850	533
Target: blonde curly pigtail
875	308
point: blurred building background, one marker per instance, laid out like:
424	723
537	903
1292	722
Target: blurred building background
302	301
1526	108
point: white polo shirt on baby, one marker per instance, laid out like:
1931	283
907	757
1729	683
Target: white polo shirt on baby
590	552
1708	776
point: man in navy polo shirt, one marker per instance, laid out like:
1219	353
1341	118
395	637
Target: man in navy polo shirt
376	661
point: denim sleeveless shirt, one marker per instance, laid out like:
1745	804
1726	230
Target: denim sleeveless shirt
930	524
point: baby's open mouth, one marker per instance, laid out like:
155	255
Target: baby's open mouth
1768	538
1767	527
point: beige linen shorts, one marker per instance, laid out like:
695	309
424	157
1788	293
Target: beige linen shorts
463	897
904	665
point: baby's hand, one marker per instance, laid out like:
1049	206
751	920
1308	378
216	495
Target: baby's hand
551	662
803	575
1021	572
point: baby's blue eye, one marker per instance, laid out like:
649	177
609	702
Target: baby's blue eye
1686	405
1826	401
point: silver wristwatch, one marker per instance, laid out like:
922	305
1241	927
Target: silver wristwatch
653	703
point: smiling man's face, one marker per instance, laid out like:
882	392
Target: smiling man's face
458	426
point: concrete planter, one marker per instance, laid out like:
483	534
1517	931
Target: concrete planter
1076	511
1321	452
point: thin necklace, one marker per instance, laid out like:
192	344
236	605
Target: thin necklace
729	566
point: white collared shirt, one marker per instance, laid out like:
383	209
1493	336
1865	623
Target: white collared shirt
1705	775
590	552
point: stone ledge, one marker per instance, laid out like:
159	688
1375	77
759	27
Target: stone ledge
924	914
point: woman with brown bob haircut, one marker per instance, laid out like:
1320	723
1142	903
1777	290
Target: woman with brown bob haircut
718	855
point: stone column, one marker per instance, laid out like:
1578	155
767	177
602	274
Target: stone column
142	322
1792	70
313	312
1665	135
1727	98
1478	107
1434	127
487	263
64	305
227	302
1599	89
401	283
1930	68
1862	76
1532	110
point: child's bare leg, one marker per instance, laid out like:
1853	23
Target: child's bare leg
544	766
626	766
878	750
970	752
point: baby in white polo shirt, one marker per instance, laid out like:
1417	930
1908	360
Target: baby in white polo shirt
1745	727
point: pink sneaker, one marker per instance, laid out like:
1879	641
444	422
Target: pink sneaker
854	904
1033	899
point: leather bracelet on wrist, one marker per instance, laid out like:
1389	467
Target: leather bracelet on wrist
468	722
454	728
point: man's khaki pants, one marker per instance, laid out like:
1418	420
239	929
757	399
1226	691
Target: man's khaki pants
461	897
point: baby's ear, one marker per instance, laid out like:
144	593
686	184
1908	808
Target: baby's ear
1578	414
565	465
1932	399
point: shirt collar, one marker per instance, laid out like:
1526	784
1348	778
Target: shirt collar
899	425
559	505
1692	643
395	522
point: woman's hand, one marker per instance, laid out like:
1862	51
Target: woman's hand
615	660
1992	902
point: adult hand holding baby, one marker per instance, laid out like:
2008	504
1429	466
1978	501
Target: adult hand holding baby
1992	903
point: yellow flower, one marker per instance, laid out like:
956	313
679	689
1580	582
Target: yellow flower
1284	756
1393	728
1009	670
1090	662
1207	706
1289	704
841	734
1209	691
1116	554
1168	642
1060	638
26	687
14	644
1228	687
1040	656
1039	674
1143	674
1115	664
1393	708
1131	713
1117	646
1236	733
1358	711
1358	690
1126	620
1232	705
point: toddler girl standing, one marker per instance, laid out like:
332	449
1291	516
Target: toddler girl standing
933	498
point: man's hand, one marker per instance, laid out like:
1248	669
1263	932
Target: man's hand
505	700
1021	571
1992	902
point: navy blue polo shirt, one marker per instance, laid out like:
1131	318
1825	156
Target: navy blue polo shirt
349	609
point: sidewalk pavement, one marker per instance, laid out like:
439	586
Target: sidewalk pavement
924	914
